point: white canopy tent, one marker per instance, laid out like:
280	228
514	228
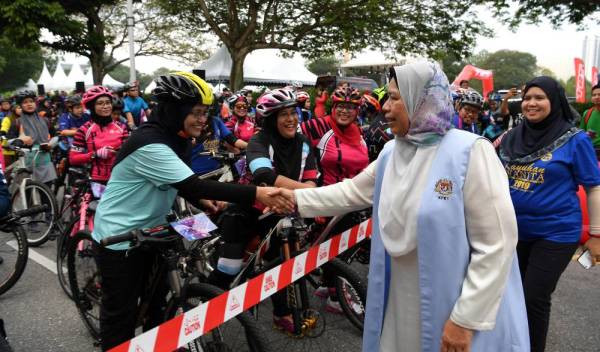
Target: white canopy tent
45	77
260	66
59	79
76	75
89	78
108	81
30	85
150	87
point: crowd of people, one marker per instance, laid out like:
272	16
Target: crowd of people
470	237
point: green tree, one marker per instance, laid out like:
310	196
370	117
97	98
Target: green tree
17	65
569	86
96	29
120	72
327	65
511	68
557	11
320	28
161	71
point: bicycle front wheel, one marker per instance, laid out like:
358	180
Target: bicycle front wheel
351	291
39	226
62	247
84	280
239	334
13	257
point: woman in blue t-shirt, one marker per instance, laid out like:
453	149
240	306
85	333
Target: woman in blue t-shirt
214	132
546	159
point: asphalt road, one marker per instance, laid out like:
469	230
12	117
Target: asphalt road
40	317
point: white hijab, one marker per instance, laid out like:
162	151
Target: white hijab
425	91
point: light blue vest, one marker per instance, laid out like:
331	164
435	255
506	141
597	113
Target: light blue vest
443	258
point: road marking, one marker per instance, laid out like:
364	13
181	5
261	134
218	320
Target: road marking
38	258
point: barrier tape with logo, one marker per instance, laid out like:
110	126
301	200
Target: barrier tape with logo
200	320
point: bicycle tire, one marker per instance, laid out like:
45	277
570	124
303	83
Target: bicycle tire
61	256
47	197
9	273
86	290
342	274
254	336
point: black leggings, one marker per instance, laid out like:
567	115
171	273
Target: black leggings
541	263
123	281
239	225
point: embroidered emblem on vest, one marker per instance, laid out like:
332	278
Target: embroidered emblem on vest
546	157
443	188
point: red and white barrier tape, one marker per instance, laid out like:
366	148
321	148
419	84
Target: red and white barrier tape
200	320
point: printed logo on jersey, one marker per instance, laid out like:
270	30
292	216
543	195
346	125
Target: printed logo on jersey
546	157
524	177
443	187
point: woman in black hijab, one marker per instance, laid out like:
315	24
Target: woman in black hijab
149	172
547	159
277	156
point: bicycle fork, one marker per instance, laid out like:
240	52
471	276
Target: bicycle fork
303	322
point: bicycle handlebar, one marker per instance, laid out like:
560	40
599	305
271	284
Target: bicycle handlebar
118	238
31	211
157	234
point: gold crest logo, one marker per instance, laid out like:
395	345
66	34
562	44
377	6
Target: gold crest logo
443	188
546	157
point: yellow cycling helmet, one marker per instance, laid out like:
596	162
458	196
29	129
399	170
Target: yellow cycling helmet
184	87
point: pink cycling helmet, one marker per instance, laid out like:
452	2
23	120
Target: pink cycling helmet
302	96
94	93
275	100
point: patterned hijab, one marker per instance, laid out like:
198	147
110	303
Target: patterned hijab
425	91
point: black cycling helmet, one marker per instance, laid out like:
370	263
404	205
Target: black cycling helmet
73	100
22	95
472	98
117	104
182	87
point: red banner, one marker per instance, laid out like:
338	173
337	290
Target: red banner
579	80
594	75
471	72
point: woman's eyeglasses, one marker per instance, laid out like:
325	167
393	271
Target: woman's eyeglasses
199	114
346	107
242	107
103	102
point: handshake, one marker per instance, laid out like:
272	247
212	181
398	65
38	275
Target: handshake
278	200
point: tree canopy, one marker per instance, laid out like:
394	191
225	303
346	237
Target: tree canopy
320	28
96	29
17	65
327	65
557	11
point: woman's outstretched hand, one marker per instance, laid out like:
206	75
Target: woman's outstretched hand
455	338
275	200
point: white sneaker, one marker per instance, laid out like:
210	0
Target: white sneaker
334	307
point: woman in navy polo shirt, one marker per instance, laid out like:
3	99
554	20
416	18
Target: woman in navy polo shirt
546	159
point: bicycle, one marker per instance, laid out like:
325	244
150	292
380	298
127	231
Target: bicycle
13	246
233	167
88	193
308	314
27	192
183	293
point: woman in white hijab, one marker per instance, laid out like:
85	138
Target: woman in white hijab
443	275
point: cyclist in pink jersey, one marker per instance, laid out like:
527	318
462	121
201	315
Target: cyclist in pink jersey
239	123
98	140
342	151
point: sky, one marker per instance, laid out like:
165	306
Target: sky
554	48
